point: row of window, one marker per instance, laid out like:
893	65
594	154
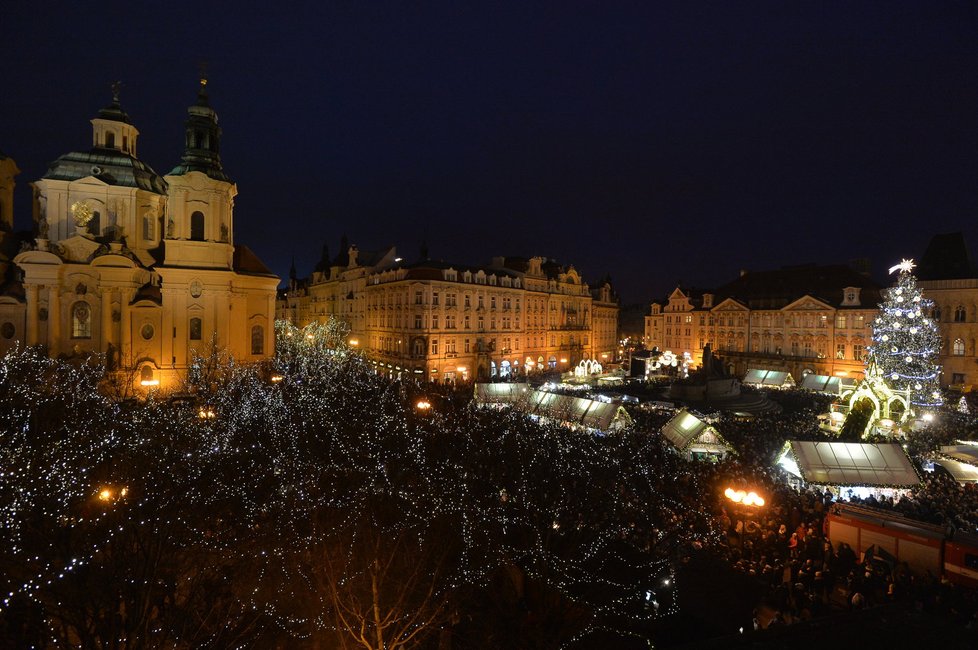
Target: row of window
81	328
197	229
960	314
808	320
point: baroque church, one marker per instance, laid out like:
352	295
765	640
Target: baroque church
140	268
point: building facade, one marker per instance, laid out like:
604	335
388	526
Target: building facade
803	320
138	267
450	322
948	277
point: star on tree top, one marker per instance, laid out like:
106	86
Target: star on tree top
904	265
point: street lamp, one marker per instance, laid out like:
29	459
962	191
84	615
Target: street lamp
107	495
423	405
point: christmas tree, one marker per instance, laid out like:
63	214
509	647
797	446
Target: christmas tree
906	340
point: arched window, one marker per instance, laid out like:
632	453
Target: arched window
110	140
146	374
959	314
958	348
936	314
258	340
197	226
81	320
195	329
504	369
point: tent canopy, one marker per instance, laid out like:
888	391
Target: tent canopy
825	384
500	393
854	464
961	472
962	453
588	413
776	378
685	428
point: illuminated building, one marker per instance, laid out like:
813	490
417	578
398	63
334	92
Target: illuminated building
138	267
803	320
448	322
948	278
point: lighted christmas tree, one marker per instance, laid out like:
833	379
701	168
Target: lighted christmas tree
906	341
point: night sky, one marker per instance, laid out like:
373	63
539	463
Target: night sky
658	143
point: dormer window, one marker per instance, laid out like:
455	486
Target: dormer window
850	296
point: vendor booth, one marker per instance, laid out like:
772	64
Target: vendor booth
695	438
500	394
769	378
860	468
960	472
963	452
575	412
826	384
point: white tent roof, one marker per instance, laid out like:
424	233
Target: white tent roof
600	415
684	428
768	378
962	472
824	383
499	393
963	453
854	463
589	413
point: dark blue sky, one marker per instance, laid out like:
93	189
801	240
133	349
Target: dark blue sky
660	142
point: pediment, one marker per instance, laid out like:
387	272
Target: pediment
37	257
730	304
89	180
677	294
78	248
808	303
115	260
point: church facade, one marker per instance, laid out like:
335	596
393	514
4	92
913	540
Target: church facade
138	267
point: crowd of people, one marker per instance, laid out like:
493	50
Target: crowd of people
785	546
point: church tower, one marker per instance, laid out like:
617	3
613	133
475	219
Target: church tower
199	225
105	193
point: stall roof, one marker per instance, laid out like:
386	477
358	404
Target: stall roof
963	453
684	428
825	384
768	378
854	463
600	415
961	472
499	393
589	413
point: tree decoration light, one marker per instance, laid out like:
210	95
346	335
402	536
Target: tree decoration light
905	355
309	496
